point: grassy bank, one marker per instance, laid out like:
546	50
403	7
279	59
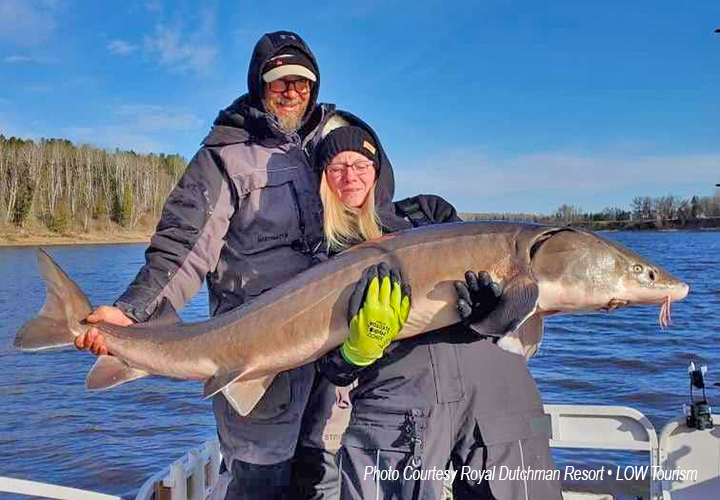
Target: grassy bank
40	236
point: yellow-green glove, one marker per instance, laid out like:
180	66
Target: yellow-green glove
378	309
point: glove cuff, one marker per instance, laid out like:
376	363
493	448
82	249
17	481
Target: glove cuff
351	355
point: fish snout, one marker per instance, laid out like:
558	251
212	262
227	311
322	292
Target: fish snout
679	291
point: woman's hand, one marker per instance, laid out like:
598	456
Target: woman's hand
477	297
378	309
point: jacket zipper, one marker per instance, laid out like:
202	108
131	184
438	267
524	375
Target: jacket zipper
296	199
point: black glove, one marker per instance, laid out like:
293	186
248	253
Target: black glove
477	297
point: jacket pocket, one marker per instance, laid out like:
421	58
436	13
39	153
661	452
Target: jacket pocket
384	429
509	428
268	215
391	441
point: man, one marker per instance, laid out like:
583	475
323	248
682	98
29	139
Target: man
246	216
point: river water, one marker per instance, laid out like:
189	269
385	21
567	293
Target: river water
53	430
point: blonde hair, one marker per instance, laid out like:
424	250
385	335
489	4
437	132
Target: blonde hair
345	225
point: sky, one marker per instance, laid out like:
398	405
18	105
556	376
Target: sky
498	106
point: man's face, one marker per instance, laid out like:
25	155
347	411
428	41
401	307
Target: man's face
287	99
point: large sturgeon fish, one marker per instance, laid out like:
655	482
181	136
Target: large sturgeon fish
543	270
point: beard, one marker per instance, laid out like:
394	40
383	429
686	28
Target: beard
289	122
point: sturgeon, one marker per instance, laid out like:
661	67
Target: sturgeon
543	270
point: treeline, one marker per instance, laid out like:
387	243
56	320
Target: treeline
642	209
67	187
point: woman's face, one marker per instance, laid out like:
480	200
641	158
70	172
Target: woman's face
350	176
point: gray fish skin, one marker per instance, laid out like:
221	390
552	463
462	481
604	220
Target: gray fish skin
543	270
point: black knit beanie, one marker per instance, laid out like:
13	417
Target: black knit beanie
347	139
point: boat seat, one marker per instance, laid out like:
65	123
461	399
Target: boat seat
573	495
689	450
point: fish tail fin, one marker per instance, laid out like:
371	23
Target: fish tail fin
58	322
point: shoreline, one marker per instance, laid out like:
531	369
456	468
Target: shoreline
28	238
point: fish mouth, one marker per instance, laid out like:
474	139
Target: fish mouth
614	304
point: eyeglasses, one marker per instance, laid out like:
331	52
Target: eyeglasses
301	86
359	168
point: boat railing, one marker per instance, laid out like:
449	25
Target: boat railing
193	476
605	428
189	478
573	426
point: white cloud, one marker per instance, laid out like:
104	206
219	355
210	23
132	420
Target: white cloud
555	175
121	48
112	137
159	118
26	22
154	5
28	60
142	128
182	50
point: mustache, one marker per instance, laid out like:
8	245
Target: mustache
288	102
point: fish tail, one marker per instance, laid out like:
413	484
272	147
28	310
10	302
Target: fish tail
58	322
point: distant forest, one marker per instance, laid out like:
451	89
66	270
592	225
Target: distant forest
69	188
645	213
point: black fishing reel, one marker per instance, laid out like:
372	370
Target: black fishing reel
698	414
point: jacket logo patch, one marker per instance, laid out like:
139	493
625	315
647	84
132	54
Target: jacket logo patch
272	237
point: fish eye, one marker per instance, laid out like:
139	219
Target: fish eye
637	268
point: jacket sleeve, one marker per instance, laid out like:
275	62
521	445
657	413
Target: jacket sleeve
333	367
437	209
187	241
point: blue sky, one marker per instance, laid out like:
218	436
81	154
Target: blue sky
497	106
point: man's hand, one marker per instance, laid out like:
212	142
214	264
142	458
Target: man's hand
477	297
378	309
93	340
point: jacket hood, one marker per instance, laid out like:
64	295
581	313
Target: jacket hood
269	45
241	122
246	119
385	184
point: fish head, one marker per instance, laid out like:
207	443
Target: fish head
579	271
642	281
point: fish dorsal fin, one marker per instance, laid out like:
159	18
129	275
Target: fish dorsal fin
242	395
526	339
109	371
164	315
517	303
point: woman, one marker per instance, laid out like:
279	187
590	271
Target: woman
445	396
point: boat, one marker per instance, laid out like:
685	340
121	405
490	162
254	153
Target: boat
682	461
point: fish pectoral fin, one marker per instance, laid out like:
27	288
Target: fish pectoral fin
243	396
517	303
526	339
217	382
109	371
